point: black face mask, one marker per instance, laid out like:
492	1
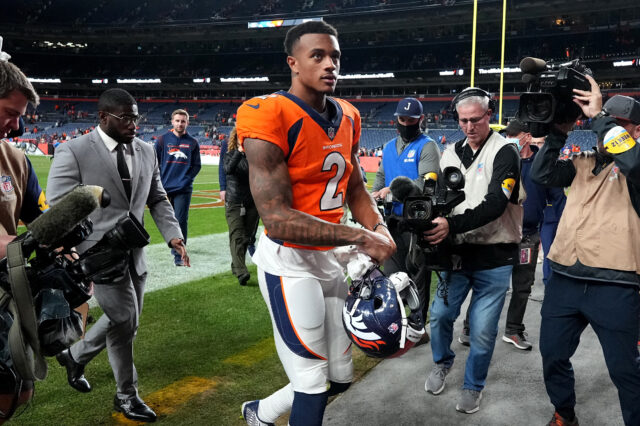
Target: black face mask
408	133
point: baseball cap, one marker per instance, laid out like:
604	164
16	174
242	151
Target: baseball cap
409	107
515	126
623	107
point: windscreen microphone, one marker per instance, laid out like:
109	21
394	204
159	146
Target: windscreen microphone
402	187
531	65
64	216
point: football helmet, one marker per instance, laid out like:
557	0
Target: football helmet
375	314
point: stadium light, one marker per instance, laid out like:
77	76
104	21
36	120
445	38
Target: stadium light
274	23
44	80
242	79
139	80
363	76
100	81
498	70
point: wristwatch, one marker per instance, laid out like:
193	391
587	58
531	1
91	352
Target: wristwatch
601	114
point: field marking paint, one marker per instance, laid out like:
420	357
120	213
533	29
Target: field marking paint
256	353
168	400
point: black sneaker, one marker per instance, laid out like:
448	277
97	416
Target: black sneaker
464	337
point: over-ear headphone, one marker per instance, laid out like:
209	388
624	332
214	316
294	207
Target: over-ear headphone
467	93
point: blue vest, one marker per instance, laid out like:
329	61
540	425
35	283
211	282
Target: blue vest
405	164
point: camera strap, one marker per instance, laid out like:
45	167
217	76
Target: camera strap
23	335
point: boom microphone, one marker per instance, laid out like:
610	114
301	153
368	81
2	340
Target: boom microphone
403	187
64	216
531	65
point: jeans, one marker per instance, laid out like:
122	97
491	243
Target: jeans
180	202
570	304
521	281
489	288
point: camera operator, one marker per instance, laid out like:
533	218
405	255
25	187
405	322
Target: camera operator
595	258
414	155
21	198
486	229
113	158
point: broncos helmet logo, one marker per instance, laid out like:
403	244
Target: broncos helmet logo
177	153
359	332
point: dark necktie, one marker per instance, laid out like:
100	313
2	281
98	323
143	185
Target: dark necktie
123	170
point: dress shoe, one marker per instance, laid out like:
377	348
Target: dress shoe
244	279
75	372
134	408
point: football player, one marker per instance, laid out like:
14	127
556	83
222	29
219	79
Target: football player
302	147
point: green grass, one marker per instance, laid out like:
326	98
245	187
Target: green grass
186	330
202	221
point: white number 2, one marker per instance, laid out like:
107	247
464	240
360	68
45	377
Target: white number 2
330	200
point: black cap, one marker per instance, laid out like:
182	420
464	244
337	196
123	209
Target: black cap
624	108
514	127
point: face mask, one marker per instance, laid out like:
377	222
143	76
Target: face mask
408	133
515	141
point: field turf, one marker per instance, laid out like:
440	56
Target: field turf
202	348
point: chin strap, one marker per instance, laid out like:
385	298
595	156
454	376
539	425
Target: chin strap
405	287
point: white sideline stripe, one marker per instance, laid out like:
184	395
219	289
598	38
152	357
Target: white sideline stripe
209	255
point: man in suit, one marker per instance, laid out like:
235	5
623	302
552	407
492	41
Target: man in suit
112	157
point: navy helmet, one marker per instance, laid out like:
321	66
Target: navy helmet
375	314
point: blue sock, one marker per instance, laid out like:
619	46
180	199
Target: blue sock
308	409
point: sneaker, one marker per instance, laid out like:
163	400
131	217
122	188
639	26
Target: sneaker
178	262
558	420
250	414
464	337
435	381
469	401
519	340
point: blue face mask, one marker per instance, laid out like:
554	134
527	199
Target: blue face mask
515	141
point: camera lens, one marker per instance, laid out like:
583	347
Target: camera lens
541	110
419	210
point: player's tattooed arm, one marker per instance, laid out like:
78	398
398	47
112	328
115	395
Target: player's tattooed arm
272	194
365	212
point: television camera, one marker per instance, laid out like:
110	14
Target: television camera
422	205
549	96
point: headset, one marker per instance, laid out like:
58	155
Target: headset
467	93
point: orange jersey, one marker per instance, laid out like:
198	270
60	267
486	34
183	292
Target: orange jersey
317	151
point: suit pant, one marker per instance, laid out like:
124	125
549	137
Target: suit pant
116	330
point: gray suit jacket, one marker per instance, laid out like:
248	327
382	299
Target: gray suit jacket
87	160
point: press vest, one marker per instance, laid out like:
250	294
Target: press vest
404	164
14	173
505	229
583	234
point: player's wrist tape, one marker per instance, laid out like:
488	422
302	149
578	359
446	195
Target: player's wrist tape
379	224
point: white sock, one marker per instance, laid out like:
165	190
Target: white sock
276	404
